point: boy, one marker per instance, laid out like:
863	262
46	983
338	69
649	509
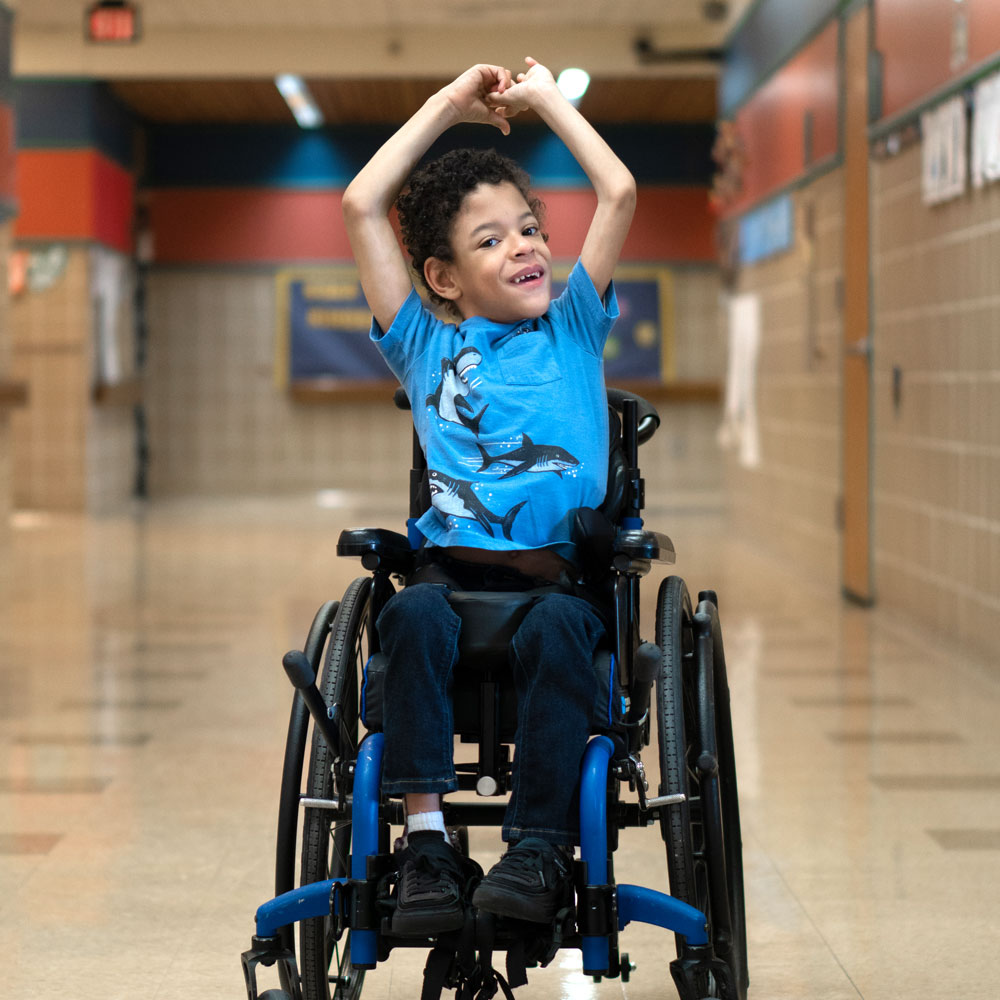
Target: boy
511	412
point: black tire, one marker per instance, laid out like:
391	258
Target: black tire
286	852
675	637
701	834
327	972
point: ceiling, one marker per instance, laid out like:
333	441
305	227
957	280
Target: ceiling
391	101
377	61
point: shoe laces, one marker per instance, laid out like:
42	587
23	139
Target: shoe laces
426	867
526	859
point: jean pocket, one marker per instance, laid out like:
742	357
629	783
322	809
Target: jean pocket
528	360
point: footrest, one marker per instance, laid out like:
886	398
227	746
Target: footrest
651	907
318	899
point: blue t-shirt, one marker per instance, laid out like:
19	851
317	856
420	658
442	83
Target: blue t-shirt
512	418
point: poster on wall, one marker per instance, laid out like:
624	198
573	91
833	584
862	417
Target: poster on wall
944	129
739	430
323	325
985	166
767	230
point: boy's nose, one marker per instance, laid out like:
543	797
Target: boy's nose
521	244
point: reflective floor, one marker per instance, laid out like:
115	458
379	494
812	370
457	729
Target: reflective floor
142	723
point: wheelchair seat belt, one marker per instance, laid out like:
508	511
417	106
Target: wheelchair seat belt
456	964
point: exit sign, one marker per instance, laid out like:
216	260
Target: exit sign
112	21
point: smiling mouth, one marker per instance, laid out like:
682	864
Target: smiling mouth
529	276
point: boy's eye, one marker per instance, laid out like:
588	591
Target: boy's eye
490	241
530	231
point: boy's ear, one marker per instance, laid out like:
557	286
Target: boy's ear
441	278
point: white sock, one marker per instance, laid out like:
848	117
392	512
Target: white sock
426	821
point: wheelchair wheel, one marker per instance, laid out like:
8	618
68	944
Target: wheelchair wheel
702	834
325	947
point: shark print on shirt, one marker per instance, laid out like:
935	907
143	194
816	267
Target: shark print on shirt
449	399
530	457
457	498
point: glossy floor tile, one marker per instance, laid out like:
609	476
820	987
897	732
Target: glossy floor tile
142	723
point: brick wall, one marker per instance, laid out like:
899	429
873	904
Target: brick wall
937	447
789	502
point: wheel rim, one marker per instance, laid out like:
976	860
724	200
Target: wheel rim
327	971
683	825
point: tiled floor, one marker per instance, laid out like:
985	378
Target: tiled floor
142	722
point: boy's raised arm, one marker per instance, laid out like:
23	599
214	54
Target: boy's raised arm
382	266
611	179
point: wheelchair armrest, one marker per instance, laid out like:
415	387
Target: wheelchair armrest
635	549
378	548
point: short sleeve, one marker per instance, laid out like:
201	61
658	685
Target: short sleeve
582	312
407	337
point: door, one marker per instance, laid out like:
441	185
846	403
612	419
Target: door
856	577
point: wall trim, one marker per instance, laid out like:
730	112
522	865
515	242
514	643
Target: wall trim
817	170
728	106
911	113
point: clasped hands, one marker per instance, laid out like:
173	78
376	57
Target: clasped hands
492	94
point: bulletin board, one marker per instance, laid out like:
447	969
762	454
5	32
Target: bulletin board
323	323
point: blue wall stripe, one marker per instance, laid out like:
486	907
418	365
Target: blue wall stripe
771	32
73	114
289	157
6	37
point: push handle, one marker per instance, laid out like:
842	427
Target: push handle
648	418
645	667
303	678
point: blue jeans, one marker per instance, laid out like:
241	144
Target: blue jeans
552	662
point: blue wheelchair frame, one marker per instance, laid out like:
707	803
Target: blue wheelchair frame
603	908
318	899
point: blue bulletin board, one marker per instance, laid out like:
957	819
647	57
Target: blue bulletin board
323	324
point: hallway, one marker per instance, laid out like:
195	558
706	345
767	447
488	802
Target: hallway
143	721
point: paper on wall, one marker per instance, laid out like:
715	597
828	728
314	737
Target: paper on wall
985	166
108	286
739	419
945	162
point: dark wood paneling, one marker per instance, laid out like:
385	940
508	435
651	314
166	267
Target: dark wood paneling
626	99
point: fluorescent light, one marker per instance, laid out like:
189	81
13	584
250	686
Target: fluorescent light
573	84
299	100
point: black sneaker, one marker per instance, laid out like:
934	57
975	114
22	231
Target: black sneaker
530	882
433	881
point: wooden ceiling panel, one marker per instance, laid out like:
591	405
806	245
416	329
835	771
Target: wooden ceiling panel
390	101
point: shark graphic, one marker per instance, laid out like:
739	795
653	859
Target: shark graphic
457	498
449	397
530	457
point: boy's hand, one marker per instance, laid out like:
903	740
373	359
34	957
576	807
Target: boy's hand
526	92
472	94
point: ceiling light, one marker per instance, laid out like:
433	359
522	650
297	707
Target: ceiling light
299	100
573	84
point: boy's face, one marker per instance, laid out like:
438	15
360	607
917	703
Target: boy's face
502	268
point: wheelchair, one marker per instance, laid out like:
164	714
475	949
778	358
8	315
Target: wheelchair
334	868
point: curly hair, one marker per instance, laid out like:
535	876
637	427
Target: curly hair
433	197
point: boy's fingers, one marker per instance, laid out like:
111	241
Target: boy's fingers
501	123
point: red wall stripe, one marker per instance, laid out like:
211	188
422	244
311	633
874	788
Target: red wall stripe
772	123
114	204
197	225
73	194
54	193
227	226
915	39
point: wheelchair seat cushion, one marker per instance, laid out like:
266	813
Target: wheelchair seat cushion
489	621
609	706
